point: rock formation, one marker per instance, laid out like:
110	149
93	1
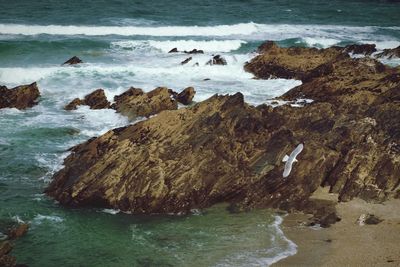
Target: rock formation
194	51
390	53
223	150
20	97
173	50
73	61
12	231
135	103
95	100
363	49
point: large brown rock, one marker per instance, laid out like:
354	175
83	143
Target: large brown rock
20	97
186	96
288	63
18	231
223	150
73	61
135	103
95	100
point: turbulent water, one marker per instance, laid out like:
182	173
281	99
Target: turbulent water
123	44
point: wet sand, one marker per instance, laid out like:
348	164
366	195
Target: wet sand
346	243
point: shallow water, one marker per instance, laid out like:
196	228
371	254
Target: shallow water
123	44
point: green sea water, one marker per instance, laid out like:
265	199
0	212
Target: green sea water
123	44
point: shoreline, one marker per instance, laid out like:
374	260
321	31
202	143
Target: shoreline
346	243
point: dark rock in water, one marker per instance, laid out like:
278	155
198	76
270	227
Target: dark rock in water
194	51
288	63
134	103
173	50
5	248
186	96
186	61
364	49
95	100
18	231
217	60
206	79
372	219
20	97
196	64
390	53
73	61
224	150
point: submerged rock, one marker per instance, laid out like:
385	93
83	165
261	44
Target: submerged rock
73	61
186	61
194	51
173	50
20	97
224	150
95	100
217	60
18	231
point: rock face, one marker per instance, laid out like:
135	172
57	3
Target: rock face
20	97
390	53
95	100
135	103
73	61
223	150
186	61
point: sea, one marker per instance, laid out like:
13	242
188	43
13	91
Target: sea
125	43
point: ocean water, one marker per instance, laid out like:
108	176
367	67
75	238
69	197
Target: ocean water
123	44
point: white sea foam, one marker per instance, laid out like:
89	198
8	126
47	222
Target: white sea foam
182	45
320	42
111	211
266	257
50	218
219	30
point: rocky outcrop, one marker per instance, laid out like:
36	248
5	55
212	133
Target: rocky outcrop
223	150
217	60
95	100
135	103
194	51
289	63
363	49
390	53
173	50
20	97
73	61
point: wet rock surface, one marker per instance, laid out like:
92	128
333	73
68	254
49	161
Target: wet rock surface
11	231
217	60
20	97
390	53
224	150
95	100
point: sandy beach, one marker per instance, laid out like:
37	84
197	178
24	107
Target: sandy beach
346	243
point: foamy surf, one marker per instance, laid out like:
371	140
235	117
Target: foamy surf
182	45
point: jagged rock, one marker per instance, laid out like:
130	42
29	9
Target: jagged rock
173	50
134	103
18	231
186	61
364	49
95	100
194	51
288	63
186	96
390	53
20	97
223	150
73	61
217	60
5	248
